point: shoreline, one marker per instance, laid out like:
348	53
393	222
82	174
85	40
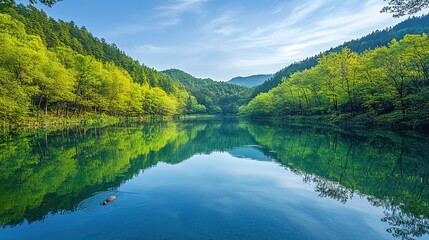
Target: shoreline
100	120
351	121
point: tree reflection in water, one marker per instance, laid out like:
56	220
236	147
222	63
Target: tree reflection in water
49	173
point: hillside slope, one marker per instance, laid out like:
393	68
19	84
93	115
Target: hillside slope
385	86
58	33
217	97
414	25
57	69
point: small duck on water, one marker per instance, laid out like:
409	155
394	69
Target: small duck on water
109	199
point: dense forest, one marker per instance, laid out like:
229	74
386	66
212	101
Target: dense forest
388	85
413	25
216	97
53	67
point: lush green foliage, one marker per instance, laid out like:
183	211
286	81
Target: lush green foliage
414	25
216	97
52	70
392	82
251	81
66	34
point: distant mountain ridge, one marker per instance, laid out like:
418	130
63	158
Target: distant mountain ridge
251	81
413	25
215	97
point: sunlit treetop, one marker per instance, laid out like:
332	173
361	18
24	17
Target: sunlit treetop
401	8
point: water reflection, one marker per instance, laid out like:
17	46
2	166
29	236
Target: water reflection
52	173
390	170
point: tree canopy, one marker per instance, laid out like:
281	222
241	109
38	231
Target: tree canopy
401	8
56	68
215	97
389	85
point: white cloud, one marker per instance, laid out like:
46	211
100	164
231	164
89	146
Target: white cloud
235	40
181	6
309	28
223	24
171	13
153	48
161	17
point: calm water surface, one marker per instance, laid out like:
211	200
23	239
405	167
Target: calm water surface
223	179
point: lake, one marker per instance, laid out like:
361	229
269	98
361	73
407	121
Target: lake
214	179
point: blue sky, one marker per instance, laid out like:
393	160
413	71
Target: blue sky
223	39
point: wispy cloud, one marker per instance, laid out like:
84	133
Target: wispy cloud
308	28
223	24
171	13
221	39
181	6
164	16
153	48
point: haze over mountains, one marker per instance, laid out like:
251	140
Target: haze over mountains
251	81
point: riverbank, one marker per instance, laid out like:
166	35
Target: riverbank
87	120
90	120
50	121
391	121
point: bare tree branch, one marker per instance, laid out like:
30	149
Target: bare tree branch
401	8
48	3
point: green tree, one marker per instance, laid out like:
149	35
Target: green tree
391	61
50	89
14	101
385	85
216	97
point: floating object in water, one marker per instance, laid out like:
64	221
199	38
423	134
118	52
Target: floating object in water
109	199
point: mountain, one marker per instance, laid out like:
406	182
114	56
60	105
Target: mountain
251	81
414	25
216	97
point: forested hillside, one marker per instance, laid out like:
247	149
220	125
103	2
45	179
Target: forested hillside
414	25
55	68
250	81
55	33
217	97
388	85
